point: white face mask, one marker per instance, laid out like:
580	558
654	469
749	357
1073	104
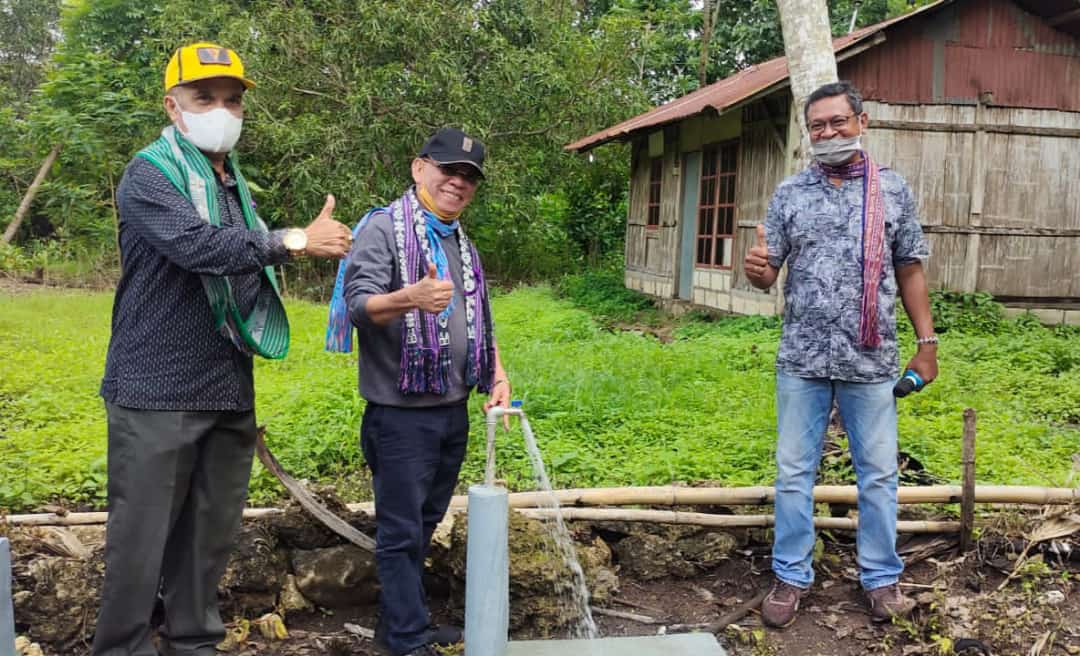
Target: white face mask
215	131
836	151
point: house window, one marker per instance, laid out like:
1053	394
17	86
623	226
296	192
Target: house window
656	171
716	206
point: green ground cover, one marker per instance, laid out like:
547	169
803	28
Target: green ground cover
609	407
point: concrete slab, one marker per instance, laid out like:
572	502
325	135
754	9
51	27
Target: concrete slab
685	644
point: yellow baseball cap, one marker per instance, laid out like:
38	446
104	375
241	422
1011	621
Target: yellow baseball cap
200	61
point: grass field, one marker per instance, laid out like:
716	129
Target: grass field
608	407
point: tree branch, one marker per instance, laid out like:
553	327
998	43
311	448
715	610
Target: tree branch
320	94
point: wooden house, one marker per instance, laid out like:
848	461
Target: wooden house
975	102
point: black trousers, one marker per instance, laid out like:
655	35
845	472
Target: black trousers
415	456
176	492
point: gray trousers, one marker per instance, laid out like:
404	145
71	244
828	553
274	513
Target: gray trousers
177	486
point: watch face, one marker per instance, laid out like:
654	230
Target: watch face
295	240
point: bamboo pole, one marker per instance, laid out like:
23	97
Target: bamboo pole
751	496
667	496
92	518
725	521
577	514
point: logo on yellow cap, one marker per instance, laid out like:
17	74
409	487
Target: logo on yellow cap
201	61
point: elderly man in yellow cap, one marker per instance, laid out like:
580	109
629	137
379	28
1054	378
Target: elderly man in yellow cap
197	299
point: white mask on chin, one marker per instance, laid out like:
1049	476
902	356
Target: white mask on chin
215	131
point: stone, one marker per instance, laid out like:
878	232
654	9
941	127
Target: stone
649	557
23	647
540	582
336	577
255	573
57	597
291	599
297	529
707	549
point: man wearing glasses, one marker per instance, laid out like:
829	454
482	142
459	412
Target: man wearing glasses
415	290
849	232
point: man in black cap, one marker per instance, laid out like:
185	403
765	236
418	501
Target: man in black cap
415	291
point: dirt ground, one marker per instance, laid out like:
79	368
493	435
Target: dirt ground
960	609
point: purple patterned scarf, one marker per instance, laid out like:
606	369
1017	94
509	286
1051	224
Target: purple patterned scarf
425	337
873	238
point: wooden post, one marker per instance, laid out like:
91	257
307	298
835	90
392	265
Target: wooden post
7	611
967	499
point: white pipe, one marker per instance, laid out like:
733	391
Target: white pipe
487	572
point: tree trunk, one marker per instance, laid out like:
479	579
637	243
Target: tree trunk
710	12
811	63
28	197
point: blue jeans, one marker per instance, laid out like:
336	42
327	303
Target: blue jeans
415	455
869	413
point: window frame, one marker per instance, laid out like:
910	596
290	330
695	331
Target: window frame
655	193
717	205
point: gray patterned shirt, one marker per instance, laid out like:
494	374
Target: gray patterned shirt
816	227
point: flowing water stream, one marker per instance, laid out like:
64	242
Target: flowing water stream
564	544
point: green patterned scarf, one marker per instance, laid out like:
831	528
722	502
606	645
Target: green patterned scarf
265	331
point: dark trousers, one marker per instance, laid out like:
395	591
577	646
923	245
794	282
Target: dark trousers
415	455
177	486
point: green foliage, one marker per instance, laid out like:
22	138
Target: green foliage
608	408
967	312
27	32
347	93
601	292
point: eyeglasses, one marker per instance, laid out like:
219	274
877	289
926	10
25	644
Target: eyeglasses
464	171
836	123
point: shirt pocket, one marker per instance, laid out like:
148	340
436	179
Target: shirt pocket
808	236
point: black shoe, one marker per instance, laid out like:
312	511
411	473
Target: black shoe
441	636
445	635
424	650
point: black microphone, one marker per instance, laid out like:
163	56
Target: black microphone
908	383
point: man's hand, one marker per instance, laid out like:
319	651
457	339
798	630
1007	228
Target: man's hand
327	237
924	363
431	294
756	265
499	396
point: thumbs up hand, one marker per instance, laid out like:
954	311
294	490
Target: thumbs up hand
327	237
756	265
431	294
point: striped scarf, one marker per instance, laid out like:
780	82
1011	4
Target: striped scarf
265	331
873	240
425	337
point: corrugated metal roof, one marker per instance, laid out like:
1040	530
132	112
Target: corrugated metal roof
730	91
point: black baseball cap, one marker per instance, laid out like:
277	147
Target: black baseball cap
452	146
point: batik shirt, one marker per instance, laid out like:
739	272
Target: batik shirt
816	227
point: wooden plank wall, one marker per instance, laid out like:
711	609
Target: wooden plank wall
639	198
761	169
997	190
654	250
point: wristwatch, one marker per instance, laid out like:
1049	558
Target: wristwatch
295	241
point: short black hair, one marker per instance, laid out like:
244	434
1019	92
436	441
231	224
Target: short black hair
841	88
